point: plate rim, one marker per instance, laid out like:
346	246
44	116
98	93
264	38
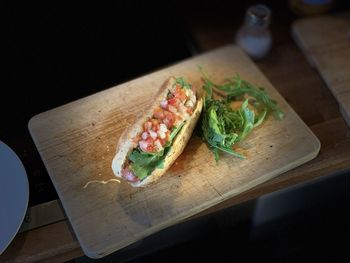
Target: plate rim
26	182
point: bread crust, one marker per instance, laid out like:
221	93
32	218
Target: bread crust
126	141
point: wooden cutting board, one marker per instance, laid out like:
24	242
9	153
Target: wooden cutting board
325	40
77	144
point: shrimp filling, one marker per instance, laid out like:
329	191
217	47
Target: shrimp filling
158	132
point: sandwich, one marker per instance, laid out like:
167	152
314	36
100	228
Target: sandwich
148	148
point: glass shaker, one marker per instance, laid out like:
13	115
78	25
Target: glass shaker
254	36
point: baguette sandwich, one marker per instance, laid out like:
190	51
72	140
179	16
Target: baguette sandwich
147	149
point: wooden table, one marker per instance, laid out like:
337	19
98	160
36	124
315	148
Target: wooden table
290	73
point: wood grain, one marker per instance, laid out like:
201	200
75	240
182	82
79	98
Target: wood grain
325	41
52	243
77	143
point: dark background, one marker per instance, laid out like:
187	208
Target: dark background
56	53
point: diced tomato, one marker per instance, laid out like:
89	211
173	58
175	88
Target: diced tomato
180	94
169	115
173	102
154	121
155	124
159	113
189	111
150	142
169	119
147	145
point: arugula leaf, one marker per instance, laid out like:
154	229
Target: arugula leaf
183	83
140	171
222	126
143	158
248	121
143	164
175	131
236	87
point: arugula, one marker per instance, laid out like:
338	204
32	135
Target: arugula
175	131
183	83
223	126
143	164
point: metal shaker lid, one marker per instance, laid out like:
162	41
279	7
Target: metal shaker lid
258	15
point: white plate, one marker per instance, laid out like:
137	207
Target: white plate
14	195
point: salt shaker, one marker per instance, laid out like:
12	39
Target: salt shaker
254	36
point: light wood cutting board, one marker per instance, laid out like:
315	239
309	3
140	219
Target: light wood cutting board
77	144
325	40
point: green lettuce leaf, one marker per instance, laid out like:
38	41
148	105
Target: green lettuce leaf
143	164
